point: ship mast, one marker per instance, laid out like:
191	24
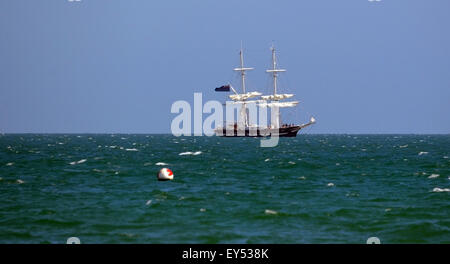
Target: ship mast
274	70
242	69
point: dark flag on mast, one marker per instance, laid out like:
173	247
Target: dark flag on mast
223	88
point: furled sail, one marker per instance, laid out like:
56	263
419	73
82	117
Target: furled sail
240	97
276	97
248	102
277	104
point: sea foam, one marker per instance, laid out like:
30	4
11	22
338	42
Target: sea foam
132	149
270	212
78	162
441	190
432	176
190	153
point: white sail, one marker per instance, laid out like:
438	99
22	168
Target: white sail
245	96
247	102
276	97
278	104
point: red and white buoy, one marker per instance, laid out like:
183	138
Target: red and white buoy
165	174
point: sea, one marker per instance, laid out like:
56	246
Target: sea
103	188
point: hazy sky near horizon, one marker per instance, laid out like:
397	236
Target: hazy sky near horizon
117	66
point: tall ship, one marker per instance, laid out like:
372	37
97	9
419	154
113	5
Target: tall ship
243	127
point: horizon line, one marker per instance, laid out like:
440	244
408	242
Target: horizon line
139	133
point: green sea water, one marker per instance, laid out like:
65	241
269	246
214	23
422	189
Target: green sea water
308	189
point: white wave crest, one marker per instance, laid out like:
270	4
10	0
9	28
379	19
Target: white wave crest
78	162
132	149
190	153
441	190
270	212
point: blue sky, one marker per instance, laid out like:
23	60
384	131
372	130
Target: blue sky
117	66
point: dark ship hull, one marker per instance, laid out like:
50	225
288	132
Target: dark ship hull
290	131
